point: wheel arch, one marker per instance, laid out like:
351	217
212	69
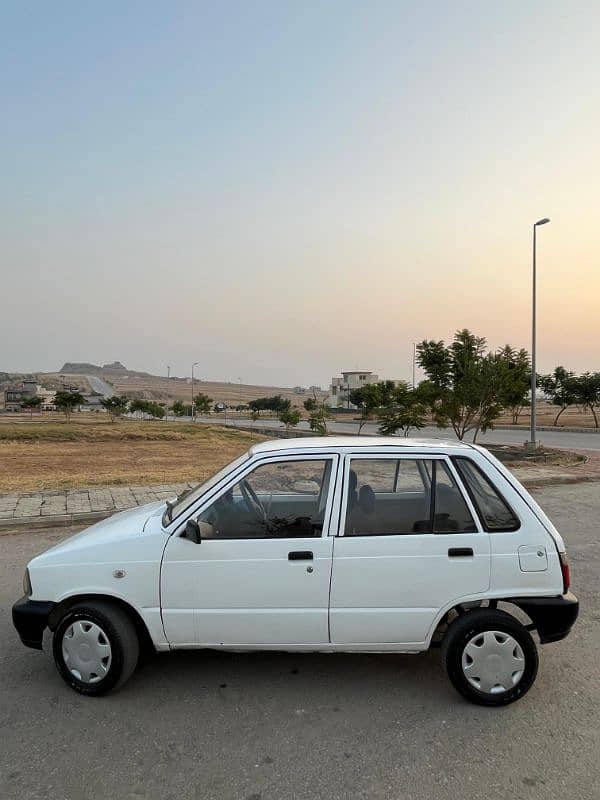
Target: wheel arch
143	634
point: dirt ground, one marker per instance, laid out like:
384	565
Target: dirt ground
54	456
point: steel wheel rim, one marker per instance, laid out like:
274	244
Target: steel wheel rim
86	651
493	662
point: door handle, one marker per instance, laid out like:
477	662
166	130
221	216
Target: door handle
460	552
300	555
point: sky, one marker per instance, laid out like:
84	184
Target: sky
284	190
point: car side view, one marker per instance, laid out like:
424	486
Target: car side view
332	544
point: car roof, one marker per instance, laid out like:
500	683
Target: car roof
354	443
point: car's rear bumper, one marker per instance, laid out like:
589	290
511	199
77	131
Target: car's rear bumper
553	617
30	618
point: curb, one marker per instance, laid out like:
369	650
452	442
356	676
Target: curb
54	520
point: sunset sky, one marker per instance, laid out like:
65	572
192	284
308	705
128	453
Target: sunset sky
282	190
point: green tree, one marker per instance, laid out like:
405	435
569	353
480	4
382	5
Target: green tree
561	388
317	419
202	403
463	384
515	382
67	402
290	417
370	397
178	408
31	403
116	406
587	388
274	403
405	409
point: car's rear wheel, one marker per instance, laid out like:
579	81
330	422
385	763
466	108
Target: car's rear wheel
95	647
490	657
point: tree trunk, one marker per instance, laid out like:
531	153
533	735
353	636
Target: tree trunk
593	410
564	408
476	434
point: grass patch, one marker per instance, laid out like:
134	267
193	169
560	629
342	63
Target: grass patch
59	455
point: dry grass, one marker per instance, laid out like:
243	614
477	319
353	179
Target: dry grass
57	455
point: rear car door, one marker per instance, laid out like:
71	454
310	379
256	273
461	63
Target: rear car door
408	544
261	574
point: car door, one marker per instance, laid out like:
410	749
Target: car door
408	544
260	575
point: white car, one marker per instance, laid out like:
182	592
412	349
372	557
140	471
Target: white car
352	544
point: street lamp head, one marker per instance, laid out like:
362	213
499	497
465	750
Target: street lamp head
542	221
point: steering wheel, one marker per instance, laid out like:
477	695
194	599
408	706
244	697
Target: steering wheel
253	504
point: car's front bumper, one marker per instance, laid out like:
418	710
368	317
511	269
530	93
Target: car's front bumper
30	618
553	617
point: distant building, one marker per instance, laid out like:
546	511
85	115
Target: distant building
340	388
15	395
299	390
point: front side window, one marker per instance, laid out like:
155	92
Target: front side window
404	496
493	509
280	499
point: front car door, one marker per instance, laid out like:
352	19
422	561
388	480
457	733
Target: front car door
408	544
260	576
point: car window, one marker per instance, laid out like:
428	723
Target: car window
394	496
282	499
493	509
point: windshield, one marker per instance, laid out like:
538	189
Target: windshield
175	508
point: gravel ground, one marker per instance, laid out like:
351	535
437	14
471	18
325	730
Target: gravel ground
277	726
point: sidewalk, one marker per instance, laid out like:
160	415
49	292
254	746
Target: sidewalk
69	506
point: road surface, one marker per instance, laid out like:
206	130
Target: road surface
100	386
559	439
202	726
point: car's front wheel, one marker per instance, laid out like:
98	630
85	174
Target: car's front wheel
95	647
490	657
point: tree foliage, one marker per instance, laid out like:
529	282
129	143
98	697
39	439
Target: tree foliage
67	402
561	389
276	403
464	383
202	403
116	406
290	417
31	403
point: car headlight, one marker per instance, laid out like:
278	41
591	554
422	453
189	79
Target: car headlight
27	583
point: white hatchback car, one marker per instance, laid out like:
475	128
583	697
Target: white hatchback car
351	544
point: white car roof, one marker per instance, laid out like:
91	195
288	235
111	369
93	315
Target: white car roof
384	443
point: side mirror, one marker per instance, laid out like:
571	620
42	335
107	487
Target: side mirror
192	531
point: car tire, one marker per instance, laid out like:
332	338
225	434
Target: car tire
95	647
490	657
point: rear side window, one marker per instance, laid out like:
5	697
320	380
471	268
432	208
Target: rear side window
390	497
494	511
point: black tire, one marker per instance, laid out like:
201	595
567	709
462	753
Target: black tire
120	632
468	625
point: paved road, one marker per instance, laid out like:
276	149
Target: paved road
99	385
300	727
564	439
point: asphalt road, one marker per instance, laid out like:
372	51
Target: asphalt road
276	726
558	438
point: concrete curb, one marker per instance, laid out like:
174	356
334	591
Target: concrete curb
54	520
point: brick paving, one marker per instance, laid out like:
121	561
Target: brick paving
72	502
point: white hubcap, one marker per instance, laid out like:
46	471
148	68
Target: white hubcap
493	662
86	651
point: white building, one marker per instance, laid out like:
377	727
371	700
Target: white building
340	388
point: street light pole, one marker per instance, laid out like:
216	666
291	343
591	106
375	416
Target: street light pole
195	364
532	444
414	361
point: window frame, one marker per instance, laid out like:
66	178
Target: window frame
413	456
250	466
456	464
